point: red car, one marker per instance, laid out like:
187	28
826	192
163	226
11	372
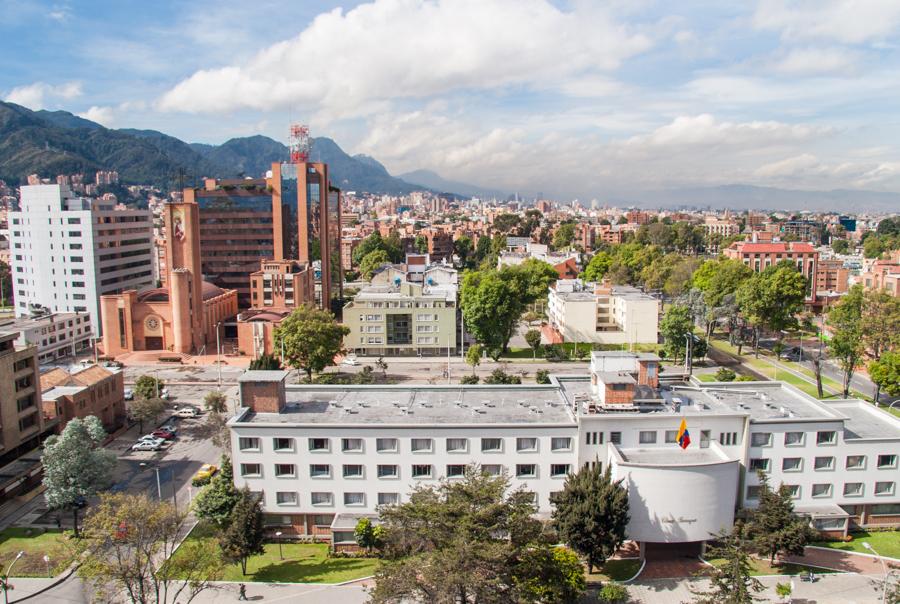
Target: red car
164	434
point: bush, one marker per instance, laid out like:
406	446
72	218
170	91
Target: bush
498	376
469	379
725	375
555	352
745	378
613	593
201	482
542	376
169	360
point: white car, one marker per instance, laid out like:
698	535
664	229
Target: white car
164	394
352	361
129	394
187	412
148	445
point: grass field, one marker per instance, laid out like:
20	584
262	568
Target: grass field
614	570
36	544
706	377
303	563
886	543
762	567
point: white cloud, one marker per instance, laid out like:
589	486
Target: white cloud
105	116
847	21
40	94
817	61
392	49
807	170
706	130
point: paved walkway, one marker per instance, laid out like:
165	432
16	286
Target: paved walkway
841	560
673	568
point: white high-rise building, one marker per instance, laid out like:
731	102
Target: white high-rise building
66	251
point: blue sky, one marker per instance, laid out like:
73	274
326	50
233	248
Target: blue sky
573	98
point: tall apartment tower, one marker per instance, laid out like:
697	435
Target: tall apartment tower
67	251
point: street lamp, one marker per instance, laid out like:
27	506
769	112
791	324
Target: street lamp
219	354
6	577
47	563
280	553
869	547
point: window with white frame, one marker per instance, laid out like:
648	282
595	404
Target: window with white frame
283	444
492	469
793	490
251	469
286	498
319	444
761	439
821	490
457	445
793	439
753	492
647	437
615	438
671	436
388	471
823	463
285	470
456	470
558	470
886	462
386	445
526	470
759	464
421	470
526	444
388	498
319	470
491	445
421	445
856	462
853	489
826	437
884	488
792	464
352	470
352	445
248	443
354	499
561	443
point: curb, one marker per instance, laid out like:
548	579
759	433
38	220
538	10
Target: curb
854	553
57	581
638	574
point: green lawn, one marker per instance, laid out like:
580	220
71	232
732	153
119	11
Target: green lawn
614	570
706	377
303	563
762	568
36	543
886	543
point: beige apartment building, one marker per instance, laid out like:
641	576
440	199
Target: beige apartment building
21	420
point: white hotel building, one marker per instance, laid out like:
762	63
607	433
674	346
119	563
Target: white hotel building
323	456
67	251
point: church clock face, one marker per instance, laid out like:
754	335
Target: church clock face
152	323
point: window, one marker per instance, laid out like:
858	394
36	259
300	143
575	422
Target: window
559	470
319	470
670	436
421	470
793	439
286	498
526	470
884	488
828	437
759	463
647	437
594	438
561	443
457	445
456	470
319	444
285	470
421	445
853	489
251	469
283	444
753	492
388	498
882	509
821	490
856	462
823	463
492	469
526	444
793	490
357	499
388	471
246	443
761	439
792	464
728	438
887	461
615	438
351	445
353	470
491	445
829	524
386	445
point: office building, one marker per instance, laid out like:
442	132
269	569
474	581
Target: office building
56	335
832	277
760	256
67	251
21	420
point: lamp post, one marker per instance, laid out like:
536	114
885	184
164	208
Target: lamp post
47	563
6	577
143	464
219	355
280	553
869	547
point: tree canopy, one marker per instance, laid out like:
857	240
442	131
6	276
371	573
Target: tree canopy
773	527
311	338
372	262
216	501
244	536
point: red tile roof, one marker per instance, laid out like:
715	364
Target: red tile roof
774	248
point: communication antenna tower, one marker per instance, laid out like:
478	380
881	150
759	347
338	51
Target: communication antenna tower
299	143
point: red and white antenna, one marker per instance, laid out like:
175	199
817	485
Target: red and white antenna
299	143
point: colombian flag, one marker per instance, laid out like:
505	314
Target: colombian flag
683	437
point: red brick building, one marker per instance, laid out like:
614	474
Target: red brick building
760	256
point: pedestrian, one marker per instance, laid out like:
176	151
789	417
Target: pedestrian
242	591
58	521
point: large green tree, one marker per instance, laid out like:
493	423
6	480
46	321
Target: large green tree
266	362
390	245
491	307
147	387
76	466
245	534
597	268
731	581
146	410
772	299
532	278
591	514
885	372
880	326
216	501
564	236
311	339
675	324
846	343
463	248
372	262
773	527
471	540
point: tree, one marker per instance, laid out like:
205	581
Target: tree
591	514
371	263
885	372
421	244
146	409
473	356
6	293
731	580
725	375
216	426
846	343
216	502
215	402
676	323
391	246
463	247
564	236
368	535
542	376
533	339
469	379
470	540
491	307
773	527
597	267
147	387
245	534
772	298
532	278
128	542
880	326
265	362
498	376
76	466
311	339
840	246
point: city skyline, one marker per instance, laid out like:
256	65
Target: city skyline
567	98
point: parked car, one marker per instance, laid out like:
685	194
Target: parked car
351	361
148	445
163	434
169	427
187	412
164	394
206	471
129	394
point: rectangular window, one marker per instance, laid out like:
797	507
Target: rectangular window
247	443
457	445
526	444
761	439
561	443
353	471
823	463
285	470
251	469
388	498
615	438
319	470
885	509
351	445
759	463
388	471
793	439
456	470
671	436
319	444
886	462
853	489
421	470
792	464
884	488
753	492
354	499
386	445
856	462
492	469
283	444
647	437
421	445
558	470
828	437
793	490
491	445
286	498
526	470
821	490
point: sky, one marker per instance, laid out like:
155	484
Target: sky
575	99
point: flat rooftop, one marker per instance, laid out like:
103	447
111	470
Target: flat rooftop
865	421
422	405
671	456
